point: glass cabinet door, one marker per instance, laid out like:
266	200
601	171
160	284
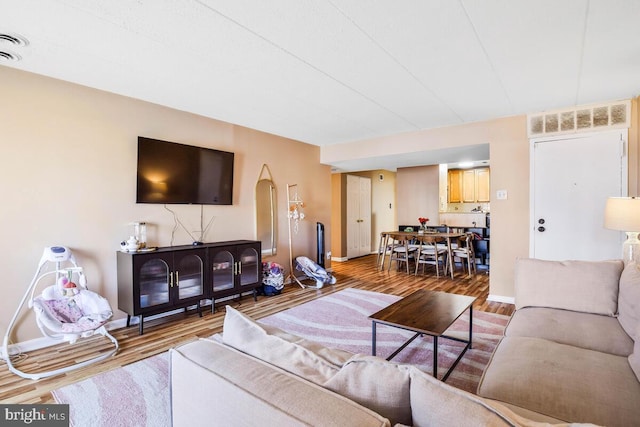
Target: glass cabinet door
189	276
154	283
222	270
249	267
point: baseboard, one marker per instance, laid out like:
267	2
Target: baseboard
502	299
340	259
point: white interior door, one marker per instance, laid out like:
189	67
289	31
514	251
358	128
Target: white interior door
365	216
358	216
572	178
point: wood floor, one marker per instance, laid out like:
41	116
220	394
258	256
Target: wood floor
162	334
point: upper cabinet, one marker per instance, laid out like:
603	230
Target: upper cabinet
469	185
483	192
455	186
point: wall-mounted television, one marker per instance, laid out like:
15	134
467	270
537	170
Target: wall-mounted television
172	173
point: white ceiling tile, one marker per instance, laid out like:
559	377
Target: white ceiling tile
331	71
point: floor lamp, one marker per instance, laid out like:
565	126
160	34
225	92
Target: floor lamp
623	214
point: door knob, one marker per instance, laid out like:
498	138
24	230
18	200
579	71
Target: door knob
541	229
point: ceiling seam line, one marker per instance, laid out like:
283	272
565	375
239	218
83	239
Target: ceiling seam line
309	65
486	55
584	37
394	59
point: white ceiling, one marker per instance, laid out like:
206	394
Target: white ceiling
333	71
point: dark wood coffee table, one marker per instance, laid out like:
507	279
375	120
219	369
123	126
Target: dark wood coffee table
426	312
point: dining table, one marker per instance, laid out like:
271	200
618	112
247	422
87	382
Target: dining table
448	237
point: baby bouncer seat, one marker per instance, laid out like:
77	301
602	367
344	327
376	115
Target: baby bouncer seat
66	310
314	271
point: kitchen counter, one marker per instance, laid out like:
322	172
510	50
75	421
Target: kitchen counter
464	219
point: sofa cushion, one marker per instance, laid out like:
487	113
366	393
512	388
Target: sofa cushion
563	382
629	300
289	352
377	384
434	403
587	286
591	331
634	358
214	384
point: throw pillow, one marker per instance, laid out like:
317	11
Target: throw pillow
629	300
586	286
289	352
436	403
377	384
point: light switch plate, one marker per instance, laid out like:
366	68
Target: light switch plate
501	194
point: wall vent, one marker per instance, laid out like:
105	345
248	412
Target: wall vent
612	115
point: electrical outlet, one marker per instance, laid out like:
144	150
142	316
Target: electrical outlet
501	194
329	255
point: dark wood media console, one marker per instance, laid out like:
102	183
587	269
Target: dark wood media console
176	277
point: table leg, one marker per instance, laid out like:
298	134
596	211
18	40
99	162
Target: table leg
471	326
450	256
435	357
373	338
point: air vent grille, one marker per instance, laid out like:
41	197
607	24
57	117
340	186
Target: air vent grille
8	56
611	115
13	39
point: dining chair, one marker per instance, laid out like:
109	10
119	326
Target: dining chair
401	250
464	250
431	251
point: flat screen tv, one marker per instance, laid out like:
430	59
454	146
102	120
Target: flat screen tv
171	173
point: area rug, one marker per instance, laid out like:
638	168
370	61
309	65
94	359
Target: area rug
135	395
340	320
138	394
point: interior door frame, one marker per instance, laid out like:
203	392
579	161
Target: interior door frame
624	135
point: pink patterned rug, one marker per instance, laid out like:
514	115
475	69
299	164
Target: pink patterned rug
138	394
340	320
132	396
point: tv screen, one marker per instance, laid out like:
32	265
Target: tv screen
171	173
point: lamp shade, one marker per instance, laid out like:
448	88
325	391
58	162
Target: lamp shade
622	213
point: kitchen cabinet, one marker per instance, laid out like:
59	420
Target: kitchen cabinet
455	185
483	188
178	277
234	269
469	185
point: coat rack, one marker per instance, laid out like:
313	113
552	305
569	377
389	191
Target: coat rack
294	215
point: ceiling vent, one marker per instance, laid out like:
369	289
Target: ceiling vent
11	40
8	56
14	39
612	115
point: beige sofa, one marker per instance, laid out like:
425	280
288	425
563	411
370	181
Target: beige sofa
572	348
255	375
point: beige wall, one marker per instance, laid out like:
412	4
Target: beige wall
69	171
418	194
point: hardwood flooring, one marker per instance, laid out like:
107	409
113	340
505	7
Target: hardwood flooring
162	334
